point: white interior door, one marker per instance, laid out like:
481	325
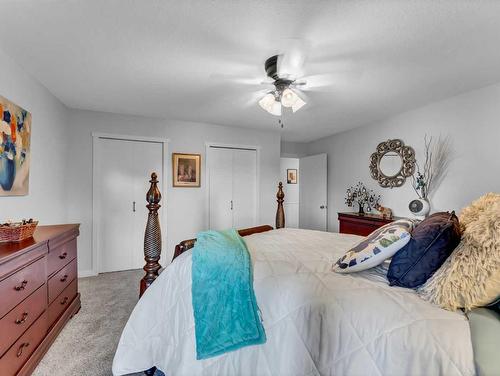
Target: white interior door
244	188
232	175
220	170
122	175
313	207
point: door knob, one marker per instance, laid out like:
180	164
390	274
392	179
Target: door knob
322	207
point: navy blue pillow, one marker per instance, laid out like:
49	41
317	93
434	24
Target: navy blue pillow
495	306
432	241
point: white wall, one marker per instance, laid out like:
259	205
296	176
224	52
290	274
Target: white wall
471	120
46	200
293	149
291	205
186	207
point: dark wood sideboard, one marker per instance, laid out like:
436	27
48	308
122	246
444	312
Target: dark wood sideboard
38	295
361	224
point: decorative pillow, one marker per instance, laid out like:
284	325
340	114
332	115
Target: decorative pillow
471	276
380	245
431	243
495	306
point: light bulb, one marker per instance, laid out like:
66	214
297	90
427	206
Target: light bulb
298	104
275	109
267	101
288	98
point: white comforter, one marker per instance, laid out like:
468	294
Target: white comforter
317	322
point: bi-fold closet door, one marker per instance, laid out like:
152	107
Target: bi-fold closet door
232	175
123	169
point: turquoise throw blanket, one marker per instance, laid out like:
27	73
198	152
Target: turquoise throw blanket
226	314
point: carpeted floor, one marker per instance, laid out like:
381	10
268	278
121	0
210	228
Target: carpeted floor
87	344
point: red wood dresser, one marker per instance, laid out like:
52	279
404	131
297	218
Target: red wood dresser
38	295
361	224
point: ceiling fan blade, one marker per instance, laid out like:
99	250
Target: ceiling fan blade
291	62
236	79
331	81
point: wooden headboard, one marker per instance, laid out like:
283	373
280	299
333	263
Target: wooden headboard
152	235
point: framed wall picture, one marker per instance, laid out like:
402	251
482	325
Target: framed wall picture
15	149
186	170
291	176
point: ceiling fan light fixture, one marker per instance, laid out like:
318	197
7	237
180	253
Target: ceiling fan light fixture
299	103
275	109
288	97
267	101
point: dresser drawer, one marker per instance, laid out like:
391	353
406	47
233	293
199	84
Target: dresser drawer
15	323
20	351
59	305
60	256
61	280
20	285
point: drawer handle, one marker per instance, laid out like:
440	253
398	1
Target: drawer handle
64	278
21	347
22	286
65	300
22	320
63	256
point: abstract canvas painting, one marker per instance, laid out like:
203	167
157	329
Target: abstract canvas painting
15	134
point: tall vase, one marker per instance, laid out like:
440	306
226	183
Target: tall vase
361	209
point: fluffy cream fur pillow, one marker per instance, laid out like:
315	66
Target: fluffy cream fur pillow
470	277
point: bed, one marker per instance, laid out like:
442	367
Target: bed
317	322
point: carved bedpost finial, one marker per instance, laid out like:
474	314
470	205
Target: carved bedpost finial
153	196
152	236
280	213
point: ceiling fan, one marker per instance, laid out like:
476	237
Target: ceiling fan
290	81
285	93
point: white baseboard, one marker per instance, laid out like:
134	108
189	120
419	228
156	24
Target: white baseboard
86	273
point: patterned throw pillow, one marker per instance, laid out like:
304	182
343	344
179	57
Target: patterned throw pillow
377	247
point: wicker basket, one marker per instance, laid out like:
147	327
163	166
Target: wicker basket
17	231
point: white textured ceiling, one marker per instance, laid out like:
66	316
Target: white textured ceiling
162	58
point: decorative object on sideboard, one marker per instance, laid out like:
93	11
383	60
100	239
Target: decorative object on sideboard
365	198
17	231
15	150
386	213
392	163
291	176
437	159
186	170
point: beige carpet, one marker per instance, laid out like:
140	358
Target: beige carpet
87	344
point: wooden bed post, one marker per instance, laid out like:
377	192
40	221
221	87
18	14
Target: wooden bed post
152	236
280	213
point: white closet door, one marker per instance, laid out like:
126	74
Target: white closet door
122	170
244	188
220	172
115	182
